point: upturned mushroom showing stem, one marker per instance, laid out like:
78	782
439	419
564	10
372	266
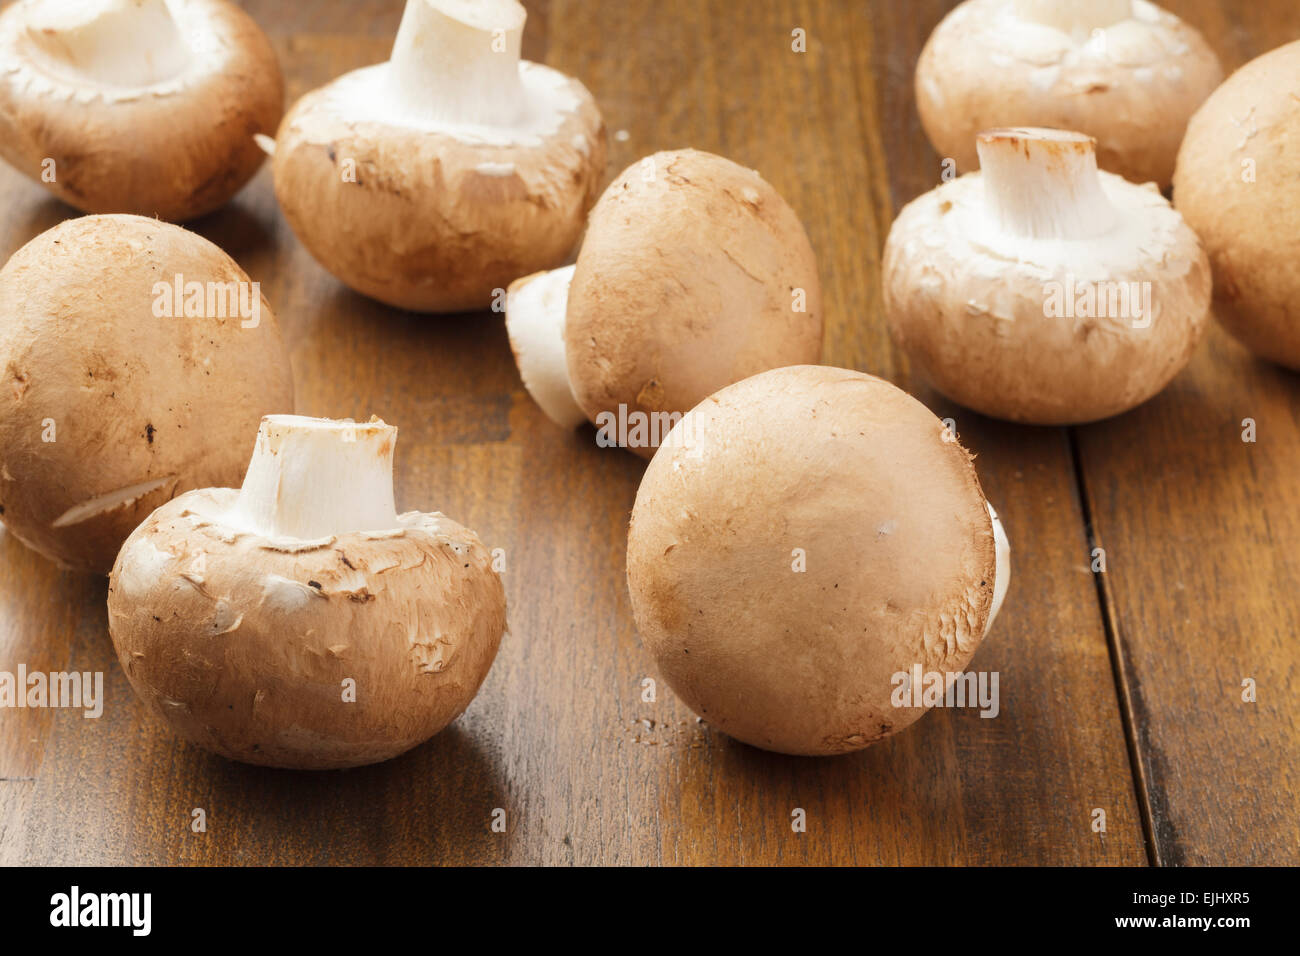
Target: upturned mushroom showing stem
432	181
110	104
300	621
1041	290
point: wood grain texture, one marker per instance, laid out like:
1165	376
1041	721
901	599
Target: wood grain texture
1201	582
559	737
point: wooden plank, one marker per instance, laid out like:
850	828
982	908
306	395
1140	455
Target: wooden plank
559	737
1198	527
1201	586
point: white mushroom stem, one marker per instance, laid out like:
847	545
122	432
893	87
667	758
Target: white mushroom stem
1002	571
1043	183
457	61
536	309
1075	16
122	43
310	478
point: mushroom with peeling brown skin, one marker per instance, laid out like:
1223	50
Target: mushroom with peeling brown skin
136	106
1236	186
694	274
1040	290
1125	72
135	358
300	621
432	181
815	532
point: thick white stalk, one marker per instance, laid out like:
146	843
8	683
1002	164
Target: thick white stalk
121	43
1043	183
310	478
457	61
536	310
1075	16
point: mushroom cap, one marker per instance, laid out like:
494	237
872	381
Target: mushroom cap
899	546
242	644
1236	186
1132	85
686	282
971	307
175	149
437	218
140	408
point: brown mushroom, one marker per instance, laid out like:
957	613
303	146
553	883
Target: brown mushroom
803	537
694	274
432	181
1040	290
135	358
1125	72
1236	186
136	106
299	621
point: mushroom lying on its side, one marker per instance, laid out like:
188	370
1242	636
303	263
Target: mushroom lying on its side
804	537
1040	290
1236	185
434	180
136	106
135	359
300	621
1123	71
694	274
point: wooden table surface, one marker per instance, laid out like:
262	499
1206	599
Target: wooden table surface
1121	691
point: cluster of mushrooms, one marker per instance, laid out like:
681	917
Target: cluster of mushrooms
272	605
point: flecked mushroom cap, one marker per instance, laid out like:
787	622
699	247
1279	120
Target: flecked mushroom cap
688	280
175	145
241	643
437	212
1130	75
431	223
899	547
140	407
1236	186
995	310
